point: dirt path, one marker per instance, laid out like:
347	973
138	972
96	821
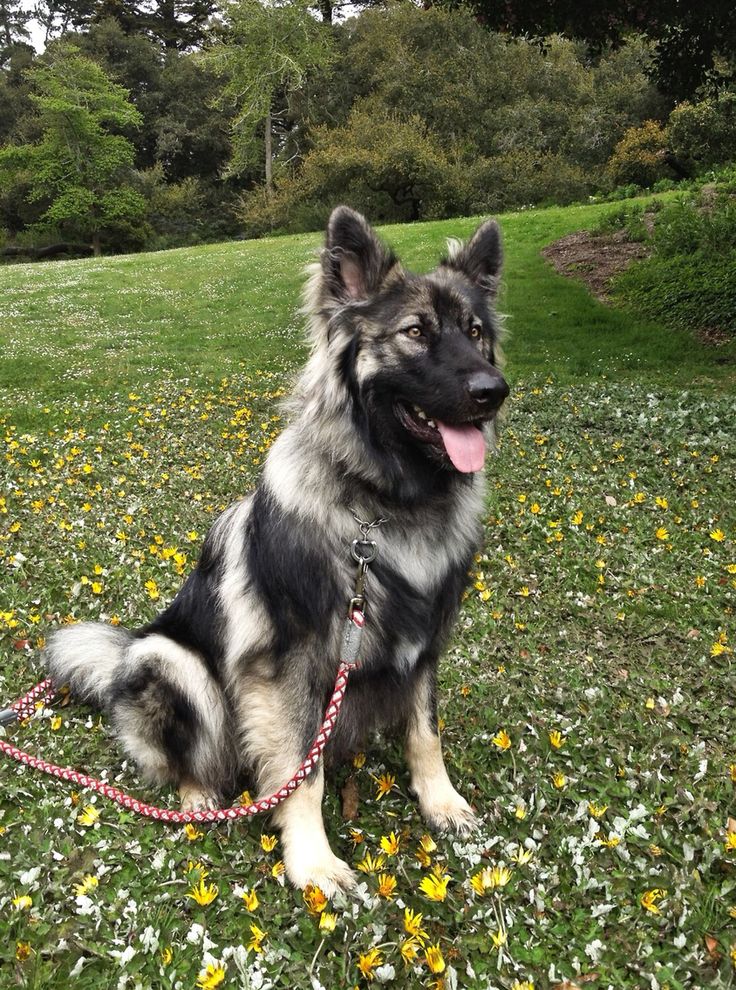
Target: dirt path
594	259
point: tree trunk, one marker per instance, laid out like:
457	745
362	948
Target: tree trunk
96	245
269	158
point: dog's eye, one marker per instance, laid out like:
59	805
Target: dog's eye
415	332
475	331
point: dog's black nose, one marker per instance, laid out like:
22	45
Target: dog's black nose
488	389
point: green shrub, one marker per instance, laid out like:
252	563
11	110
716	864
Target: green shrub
693	293
706	225
640	156
703	134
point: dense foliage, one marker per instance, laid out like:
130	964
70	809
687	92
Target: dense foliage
255	116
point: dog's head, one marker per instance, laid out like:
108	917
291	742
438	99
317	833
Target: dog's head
416	353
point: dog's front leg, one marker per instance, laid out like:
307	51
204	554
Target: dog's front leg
439	802
308	857
271	723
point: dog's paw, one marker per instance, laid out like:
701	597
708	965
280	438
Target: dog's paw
328	873
449	812
193	798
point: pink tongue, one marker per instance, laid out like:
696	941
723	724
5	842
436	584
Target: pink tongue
465	445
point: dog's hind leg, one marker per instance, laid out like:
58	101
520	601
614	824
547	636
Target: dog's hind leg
439	802
169	714
276	733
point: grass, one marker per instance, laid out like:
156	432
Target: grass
588	692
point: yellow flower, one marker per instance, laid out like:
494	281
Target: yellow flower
278	869
314	898
203	893
409	950
257	937
245	799
732	772
368	961
434	958
499	939
502	739
559	780
386	886
597	810
427	843
88	883
22	903
89	815
520	812
536	508
359	761
730	843
250	899
268	843
611	842
523	856
192	832
56	722
413	925
649	898
385	783
356	836
649	704
327	922
390	844
435	887
557	739
166	955
22	951
662	533
523	985
718	535
211	977
661	502
372	864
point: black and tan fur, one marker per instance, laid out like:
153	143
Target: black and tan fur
234	675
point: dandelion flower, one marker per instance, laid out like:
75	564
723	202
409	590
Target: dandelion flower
597	810
557	740
718	535
268	843
368	961
390	844
434	959
22	951
22	903
203	893
314	898
649	898
166	955
502	739
89	815
409	950
257	937
386	885
327	922
192	832
371	864
385	783
86	885
559	780
413	924
435	887
250	899
211	977
730	843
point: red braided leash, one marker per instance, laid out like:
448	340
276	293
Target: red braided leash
26	706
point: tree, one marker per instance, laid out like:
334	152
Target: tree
80	168
266	51
690	39
13	20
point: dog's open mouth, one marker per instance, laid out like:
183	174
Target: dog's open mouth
461	443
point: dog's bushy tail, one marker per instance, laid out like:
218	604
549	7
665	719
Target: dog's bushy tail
87	657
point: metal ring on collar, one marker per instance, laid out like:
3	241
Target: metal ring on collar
363	551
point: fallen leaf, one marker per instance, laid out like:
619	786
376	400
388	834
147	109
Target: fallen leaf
349	798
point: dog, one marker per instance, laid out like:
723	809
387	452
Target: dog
389	421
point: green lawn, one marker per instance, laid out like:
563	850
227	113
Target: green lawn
139	397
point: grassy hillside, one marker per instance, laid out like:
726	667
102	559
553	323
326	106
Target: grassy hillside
81	328
587	698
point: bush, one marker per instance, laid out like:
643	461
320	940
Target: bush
706	225
640	156
524	177
702	135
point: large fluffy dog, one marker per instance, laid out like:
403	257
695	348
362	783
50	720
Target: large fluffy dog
389	420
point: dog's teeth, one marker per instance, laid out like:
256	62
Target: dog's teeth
421	414
430	422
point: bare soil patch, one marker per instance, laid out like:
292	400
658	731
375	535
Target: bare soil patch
595	259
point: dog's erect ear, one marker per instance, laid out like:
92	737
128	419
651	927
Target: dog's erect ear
355	263
480	258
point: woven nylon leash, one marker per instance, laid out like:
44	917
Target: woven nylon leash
363	552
